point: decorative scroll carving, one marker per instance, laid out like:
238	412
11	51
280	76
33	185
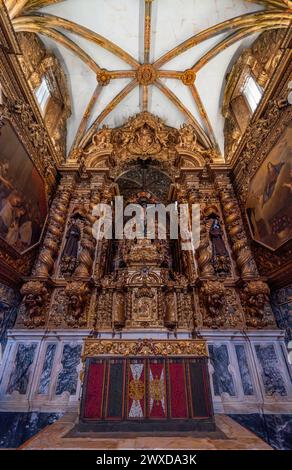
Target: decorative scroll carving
21	265
185	310
234	314
213	293
34	299
102	139
188	138
77	296
57	218
145	136
196	348
104	308
256	296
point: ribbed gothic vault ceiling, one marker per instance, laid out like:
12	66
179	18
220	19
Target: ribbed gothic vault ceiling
169	57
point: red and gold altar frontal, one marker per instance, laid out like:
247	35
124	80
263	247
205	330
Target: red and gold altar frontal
160	383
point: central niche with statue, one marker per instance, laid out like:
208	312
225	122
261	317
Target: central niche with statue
149	289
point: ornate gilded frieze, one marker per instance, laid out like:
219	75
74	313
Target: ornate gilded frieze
144	347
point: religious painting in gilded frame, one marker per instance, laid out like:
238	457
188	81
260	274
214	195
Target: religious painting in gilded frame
269	203
23	203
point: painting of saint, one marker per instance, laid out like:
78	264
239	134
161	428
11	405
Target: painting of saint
269	204
23	205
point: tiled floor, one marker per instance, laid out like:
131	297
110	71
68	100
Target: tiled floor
237	438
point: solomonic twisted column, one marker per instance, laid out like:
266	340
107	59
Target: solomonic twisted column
56	224
88	242
235	229
204	253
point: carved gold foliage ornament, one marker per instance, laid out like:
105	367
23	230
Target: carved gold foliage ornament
22	265
144	347
255	298
77	297
145	136
34	300
213	293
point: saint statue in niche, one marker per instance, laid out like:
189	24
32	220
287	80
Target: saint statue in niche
221	261
71	249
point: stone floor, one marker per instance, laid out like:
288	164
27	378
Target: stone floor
236	438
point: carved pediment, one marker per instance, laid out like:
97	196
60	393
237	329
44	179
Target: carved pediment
145	136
